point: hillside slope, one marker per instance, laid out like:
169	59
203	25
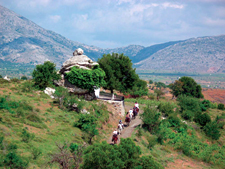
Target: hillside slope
202	55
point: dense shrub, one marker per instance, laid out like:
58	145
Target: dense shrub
174	121
221	106
23	78
187	115
14	161
88	124
166	108
189	103
148	162
44	75
202	119
211	130
139	89
26	136
150	117
86	79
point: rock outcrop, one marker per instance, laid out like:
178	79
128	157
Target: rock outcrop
81	61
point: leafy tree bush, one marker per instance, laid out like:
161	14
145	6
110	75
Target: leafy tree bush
202	119
187	115
27	86
103	155
176	88
189	103
150	117
23	78
0	76
174	121
206	103
187	86
44	75
166	108
151	82
86	79
221	106
36	152
211	130
26	136
87	123
14	161
159	93
1	142
160	85
148	162
119	72
139	89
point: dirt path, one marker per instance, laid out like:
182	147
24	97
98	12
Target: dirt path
128	130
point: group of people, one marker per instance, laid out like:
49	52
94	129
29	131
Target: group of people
129	116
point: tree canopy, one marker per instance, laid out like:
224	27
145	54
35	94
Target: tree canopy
86	79
188	86
45	74
119	72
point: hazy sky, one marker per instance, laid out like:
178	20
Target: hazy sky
117	23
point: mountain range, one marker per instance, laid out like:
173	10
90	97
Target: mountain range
23	41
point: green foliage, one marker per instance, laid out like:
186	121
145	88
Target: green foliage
160	85
174	121
102	155
14	161
166	108
26	136
187	115
206	103
27	86
190	87
148	162
189	103
211	130
1	142
159	93
221	106
186	86
86	79
88	124
202	119
150	117
119	72
44	75
0	76
36	152
152	141
151	82
23	78
139	89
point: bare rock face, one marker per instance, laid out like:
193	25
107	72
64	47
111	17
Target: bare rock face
81	61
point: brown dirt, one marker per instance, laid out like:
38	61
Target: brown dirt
214	95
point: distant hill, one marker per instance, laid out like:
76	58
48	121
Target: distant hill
202	55
24	42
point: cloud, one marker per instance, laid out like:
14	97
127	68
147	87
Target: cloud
170	5
55	18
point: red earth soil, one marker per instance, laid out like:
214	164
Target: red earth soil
214	95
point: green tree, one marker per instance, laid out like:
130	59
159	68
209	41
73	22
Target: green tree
102	156
159	93
211	129
119	72
160	85
88	124
139	89
45	74
24	78
148	162
176	88
86	79
12	160
190	87
151	82
150	117
0	76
